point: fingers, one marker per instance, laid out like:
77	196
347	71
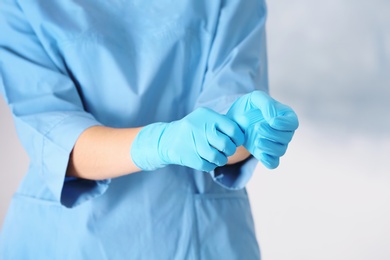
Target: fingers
214	138
221	142
223	136
212	155
278	115
286	119
269	161
205	165
270	147
265	103
266	131
206	158
267	144
267	139
229	128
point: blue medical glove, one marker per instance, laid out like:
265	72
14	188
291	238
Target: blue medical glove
268	126
202	140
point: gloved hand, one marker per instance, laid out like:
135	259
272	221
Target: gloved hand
268	126
202	140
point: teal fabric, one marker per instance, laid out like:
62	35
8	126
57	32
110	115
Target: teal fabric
69	65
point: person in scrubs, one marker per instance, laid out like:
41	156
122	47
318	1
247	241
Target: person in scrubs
143	122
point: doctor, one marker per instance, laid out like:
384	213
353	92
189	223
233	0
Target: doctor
143	121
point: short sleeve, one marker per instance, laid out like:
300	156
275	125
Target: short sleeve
46	106
237	65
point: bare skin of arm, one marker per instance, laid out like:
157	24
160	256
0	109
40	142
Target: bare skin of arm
103	153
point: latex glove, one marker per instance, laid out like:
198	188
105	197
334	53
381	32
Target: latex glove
202	140
268	126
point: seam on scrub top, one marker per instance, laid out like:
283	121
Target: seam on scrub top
65	116
46	134
45	202
97	234
213	35
219	196
196	224
43	172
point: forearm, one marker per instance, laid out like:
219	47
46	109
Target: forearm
102	153
240	155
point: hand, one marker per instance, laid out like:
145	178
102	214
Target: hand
202	140
268	126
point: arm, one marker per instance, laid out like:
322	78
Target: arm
103	153
61	137
48	112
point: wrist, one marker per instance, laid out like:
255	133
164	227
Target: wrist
240	155
145	148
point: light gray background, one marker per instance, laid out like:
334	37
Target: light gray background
330	198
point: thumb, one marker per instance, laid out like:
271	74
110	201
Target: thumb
277	115
286	119
264	103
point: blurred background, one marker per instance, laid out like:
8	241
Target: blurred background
330	197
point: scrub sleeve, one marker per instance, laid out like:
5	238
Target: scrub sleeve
46	106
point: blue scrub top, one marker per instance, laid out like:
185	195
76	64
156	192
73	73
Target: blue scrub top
69	65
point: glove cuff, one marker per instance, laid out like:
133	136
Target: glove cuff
144	150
